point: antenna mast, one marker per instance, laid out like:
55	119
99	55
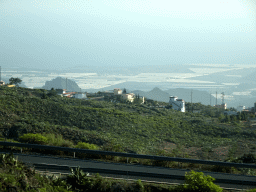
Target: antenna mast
222	95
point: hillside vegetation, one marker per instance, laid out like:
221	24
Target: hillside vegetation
120	127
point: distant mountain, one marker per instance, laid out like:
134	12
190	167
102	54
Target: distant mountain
242	100
128	85
185	94
250	77
197	96
155	94
60	83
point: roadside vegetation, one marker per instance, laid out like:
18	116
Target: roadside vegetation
42	117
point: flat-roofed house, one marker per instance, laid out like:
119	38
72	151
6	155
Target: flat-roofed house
177	104
118	91
2	83
80	96
240	108
129	96
222	106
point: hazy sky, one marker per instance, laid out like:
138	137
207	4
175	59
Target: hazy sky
56	34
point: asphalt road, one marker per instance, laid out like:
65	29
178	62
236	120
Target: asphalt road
130	171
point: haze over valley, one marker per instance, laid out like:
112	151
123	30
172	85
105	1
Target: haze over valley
236	81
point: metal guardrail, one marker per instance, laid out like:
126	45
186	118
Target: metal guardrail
132	155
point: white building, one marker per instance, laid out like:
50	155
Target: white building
177	104
118	91
2	83
222	106
80	96
128	96
240	108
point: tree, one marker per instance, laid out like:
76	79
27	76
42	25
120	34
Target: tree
15	81
52	92
198	182
124	91
232	109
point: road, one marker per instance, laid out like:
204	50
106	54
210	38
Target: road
130	171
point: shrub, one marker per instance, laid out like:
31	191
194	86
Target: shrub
34	138
83	145
139	186
196	181
57	140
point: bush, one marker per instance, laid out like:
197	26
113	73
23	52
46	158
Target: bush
34	139
83	145
57	140
196	181
139	186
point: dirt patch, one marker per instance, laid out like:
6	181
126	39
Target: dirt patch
219	153
167	146
215	154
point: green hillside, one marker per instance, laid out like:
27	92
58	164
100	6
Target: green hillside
133	128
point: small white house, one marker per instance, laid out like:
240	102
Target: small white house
2	83
240	108
118	91
129	96
177	104
80	96
61	91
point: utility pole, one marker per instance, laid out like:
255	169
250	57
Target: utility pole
0	73
222	95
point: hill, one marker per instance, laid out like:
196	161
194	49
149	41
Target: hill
61	83
197	96
185	94
123	126
155	94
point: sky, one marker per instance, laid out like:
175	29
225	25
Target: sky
58	34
